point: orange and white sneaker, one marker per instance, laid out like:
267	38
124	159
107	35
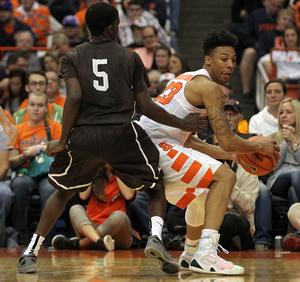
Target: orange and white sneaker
206	259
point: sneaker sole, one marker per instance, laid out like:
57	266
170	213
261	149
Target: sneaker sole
109	243
27	270
167	265
223	272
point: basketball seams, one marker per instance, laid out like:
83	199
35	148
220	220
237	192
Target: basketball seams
258	166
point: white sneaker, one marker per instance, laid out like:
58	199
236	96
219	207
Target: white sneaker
206	259
187	255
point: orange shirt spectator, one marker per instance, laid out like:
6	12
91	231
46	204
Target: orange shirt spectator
36	17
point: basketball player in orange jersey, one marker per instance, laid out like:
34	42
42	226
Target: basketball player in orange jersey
10	130
188	163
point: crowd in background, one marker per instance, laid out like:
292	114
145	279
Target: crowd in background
31	93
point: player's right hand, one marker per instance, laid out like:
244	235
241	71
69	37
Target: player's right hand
269	147
195	122
53	147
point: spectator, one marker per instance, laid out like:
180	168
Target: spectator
297	11
25	42
103	224
137	26
228	92
53	89
9	26
6	195
274	38
240	9
71	29
284	180
266	122
258	22
133	10
238	224
16	91
150	41
60	44
31	140
37	81
154	77
286	62
178	64
161	58
291	241
14	61
35	16
157	8
60	9
50	62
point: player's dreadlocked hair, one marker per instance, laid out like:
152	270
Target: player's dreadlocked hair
99	16
216	38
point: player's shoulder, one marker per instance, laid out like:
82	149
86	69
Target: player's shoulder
203	82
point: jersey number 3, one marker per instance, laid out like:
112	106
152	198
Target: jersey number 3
100	74
168	94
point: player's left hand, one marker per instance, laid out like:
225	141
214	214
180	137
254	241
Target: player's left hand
236	158
53	147
195	122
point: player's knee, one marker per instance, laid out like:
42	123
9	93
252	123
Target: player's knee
195	211
225	175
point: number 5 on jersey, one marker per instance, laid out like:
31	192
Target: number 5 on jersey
100	74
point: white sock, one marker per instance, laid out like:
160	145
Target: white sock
206	232
157	224
34	245
190	246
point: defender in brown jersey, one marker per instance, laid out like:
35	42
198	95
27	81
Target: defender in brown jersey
104	83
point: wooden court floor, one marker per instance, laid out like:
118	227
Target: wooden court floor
134	266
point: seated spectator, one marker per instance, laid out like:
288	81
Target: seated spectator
53	89
178	64
297	11
14	61
266	122
60	44
287	63
150	41
16	91
25	42
291	241
59	9
31	141
257	23
37	81
157	8
37	17
240	10
71	29
284	180
103	225
274	38
154	77
161	58
137	26
133	9
9	25
50	62
6	195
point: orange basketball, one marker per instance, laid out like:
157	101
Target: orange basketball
256	163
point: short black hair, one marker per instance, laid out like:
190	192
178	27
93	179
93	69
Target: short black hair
99	16
216	38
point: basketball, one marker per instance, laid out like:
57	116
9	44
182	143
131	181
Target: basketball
256	163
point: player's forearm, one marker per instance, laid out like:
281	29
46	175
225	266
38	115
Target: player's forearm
213	151
3	118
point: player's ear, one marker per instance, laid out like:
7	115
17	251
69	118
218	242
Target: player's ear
207	60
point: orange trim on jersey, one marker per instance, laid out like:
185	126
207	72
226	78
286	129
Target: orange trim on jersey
185	200
184	77
172	153
190	190
179	162
191	172
206	179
